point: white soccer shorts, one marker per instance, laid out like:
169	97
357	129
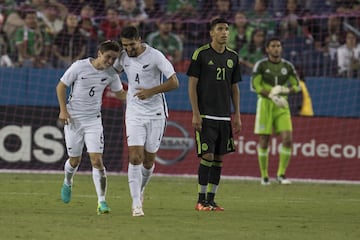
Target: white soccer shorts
78	132
145	132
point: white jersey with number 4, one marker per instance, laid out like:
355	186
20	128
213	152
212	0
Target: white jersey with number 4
145	71
87	87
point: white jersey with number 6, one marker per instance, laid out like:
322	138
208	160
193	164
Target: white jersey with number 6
87	87
145	71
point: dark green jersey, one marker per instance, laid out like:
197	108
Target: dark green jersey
216	73
267	74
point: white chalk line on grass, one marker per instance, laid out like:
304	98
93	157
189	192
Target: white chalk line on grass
248	178
154	197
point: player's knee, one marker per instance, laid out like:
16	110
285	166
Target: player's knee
96	161
136	158
208	156
148	163
75	161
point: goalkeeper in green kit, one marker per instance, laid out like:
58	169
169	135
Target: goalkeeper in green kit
273	79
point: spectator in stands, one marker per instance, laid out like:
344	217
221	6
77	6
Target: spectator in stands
166	41
154	11
38	5
98	6
348	56
131	13
69	45
7	7
310	26
41	5
111	26
13	21
5	60
50	19
238	32
349	10
88	28
33	44
184	9
260	17
87	11
289	25
330	39
320	7
220	9
253	51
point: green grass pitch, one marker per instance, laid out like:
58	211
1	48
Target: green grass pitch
31	208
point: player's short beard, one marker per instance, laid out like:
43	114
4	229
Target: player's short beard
131	53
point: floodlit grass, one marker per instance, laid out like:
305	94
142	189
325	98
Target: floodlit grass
32	209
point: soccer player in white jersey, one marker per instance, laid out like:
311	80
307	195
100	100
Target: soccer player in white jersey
149	75
81	115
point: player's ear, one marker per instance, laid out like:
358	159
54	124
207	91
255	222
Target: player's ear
99	53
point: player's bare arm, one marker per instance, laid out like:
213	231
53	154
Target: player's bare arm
196	118
121	95
64	116
236	104
171	84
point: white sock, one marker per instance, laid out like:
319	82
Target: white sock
135	179
69	173
99	178
146	175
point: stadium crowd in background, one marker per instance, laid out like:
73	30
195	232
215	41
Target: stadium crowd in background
312	29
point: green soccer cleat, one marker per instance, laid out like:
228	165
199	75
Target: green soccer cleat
66	193
103	208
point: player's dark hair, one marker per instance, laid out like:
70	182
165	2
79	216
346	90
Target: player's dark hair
109	45
217	21
272	39
130	32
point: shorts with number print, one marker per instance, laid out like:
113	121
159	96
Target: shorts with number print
80	132
215	137
145	132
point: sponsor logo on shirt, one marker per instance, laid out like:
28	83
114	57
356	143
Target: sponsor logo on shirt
145	66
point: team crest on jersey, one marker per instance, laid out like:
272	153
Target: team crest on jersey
204	147
284	71
230	63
